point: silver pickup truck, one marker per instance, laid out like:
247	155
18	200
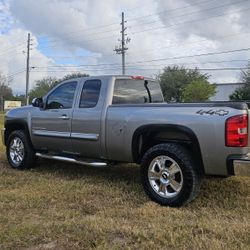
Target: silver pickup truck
98	120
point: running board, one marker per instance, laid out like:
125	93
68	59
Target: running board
72	160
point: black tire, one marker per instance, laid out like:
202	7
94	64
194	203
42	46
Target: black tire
188	177
28	159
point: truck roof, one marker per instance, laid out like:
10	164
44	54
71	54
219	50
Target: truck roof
138	77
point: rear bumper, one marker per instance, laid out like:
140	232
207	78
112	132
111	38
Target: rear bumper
242	167
3	135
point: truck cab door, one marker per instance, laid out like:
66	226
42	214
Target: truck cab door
51	126
87	119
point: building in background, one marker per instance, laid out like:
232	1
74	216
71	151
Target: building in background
224	90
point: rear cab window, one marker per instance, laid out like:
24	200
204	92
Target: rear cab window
90	94
134	91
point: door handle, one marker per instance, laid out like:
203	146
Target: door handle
64	117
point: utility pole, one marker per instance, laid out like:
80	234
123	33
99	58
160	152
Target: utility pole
123	44
27	70
121	49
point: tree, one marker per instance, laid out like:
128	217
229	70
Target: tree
5	91
175	78
198	91
43	86
74	75
243	93
21	98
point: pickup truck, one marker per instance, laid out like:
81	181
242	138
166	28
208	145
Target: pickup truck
111	119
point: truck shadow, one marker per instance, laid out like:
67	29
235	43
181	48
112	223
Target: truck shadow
216	192
122	182
128	173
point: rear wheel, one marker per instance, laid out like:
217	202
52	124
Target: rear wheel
19	151
169	176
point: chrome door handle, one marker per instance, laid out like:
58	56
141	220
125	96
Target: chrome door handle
64	117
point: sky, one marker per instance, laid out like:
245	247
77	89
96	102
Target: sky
81	35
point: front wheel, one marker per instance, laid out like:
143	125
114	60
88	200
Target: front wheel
19	151
169	176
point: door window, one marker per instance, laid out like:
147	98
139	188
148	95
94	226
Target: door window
90	94
62	97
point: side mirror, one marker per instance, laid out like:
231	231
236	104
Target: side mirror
37	102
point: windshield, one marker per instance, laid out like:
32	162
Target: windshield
131	91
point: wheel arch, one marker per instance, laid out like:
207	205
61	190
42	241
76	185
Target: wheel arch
13	125
147	136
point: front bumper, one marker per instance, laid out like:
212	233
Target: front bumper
242	167
3	135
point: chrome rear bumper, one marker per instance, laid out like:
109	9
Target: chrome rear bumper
242	167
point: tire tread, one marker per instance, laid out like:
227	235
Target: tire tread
29	157
192	178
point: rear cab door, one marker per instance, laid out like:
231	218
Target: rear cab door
88	117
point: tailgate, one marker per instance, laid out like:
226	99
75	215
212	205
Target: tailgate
248	112
242	166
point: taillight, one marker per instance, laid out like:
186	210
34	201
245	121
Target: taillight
237	131
137	77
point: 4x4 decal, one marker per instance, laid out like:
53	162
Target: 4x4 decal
220	112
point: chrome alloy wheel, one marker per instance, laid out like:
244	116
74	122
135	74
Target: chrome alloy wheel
165	176
16	151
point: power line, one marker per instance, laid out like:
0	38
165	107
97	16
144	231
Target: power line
194	12
191	56
16	73
83	41
200	69
106	37
156	14
185	57
223	69
171	10
11	49
134	19
103	26
131	65
92	28
188	22
134	68
150	50
109	37
192	63
81	65
193	42
192	21
73	56
58	71
86	29
161	47
56	40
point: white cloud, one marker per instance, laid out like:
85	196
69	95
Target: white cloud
71	26
13	58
